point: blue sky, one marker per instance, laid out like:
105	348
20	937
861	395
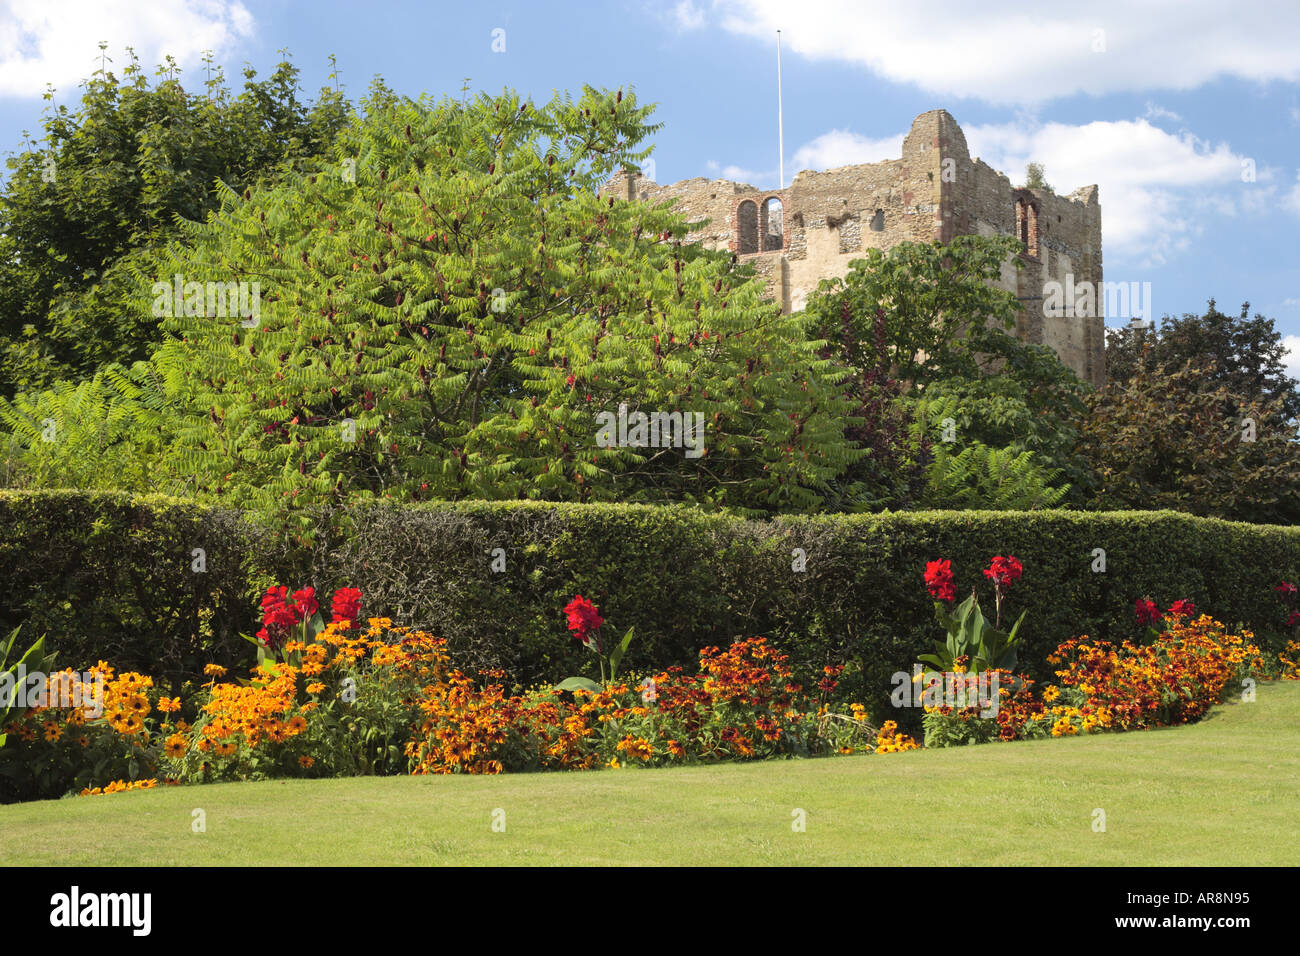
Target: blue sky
1187	114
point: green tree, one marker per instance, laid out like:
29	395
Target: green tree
1163	439
944	315
933	316
83	208
1035	179
1032	403
1247	354
111	431
449	310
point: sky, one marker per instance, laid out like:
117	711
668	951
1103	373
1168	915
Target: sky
1186	113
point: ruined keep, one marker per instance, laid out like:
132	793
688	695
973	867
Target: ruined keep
812	229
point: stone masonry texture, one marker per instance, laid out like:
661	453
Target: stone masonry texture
816	226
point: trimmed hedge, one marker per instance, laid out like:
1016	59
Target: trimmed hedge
685	578
111	576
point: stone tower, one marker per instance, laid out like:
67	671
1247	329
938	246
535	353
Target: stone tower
812	229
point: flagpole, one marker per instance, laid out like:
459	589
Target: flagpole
780	120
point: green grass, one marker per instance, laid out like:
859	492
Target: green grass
1225	791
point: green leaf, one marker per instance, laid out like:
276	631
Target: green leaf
579	683
616	655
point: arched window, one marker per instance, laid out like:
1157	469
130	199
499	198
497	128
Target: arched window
1027	224
747	226
772	225
878	221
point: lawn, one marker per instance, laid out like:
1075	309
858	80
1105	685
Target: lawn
1225	791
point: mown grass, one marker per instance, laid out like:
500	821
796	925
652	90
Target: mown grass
1225	791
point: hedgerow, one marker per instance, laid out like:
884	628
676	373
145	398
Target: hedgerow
110	576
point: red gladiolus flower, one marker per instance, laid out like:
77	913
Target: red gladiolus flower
1294	619
346	605
1003	571
583	618
1181	607
1147	612
1285	588
939	580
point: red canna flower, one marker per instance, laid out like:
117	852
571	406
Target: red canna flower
1003	571
304	603
1147	612
346	605
940	581
277	611
583	619
1182	607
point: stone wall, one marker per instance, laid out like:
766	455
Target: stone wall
934	191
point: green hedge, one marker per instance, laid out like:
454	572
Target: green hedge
111	576
684	578
687	579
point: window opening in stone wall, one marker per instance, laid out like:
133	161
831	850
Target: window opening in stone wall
747	226
878	221
1027	226
772	238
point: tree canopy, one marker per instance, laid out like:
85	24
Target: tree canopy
83	207
1244	355
446	308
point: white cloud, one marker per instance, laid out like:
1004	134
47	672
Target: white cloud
1158	112
58	42
687	16
997	51
1292	199
1156	187
840	147
1292	345
738	174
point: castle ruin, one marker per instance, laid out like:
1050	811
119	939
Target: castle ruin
812	229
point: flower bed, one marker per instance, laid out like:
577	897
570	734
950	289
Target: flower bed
345	698
340	699
1187	665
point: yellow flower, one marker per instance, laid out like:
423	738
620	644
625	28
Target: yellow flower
305	761
175	746
214	670
315	687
